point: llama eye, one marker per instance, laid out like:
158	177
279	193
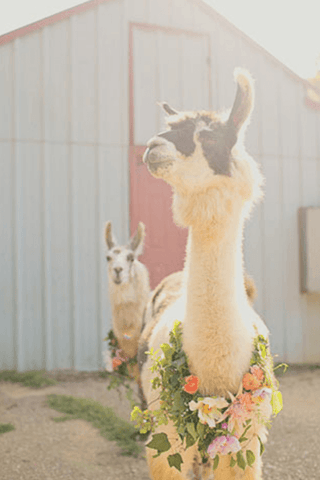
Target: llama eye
108	258
130	257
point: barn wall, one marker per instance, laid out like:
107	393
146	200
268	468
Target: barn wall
64	136
63	175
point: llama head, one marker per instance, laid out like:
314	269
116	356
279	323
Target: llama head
202	152
122	258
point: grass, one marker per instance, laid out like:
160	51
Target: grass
111	427
6	427
33	379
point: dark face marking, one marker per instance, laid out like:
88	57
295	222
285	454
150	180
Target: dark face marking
181	135
116	250
217	141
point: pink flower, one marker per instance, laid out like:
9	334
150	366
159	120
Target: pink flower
245	400
224	426
224	445
237	414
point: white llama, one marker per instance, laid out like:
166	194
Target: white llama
215	183
129	290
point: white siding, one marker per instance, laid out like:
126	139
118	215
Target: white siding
28	87
58	260
7	258
83	74
57	69
29	261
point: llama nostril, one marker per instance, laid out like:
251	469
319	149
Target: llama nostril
118	270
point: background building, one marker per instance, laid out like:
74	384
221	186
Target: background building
78	101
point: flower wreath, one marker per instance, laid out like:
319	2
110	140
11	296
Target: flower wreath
217	424
120	361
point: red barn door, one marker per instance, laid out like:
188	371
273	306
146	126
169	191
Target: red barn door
164	65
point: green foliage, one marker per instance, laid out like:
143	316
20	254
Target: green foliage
276	402
6	427
250	458
160	443
111	427
175	461
33	378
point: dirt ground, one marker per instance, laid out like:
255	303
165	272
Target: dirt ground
40	449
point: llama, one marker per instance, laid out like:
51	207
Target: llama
129	290
215	183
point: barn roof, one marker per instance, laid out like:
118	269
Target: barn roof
84	7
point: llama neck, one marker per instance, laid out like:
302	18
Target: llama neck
214	331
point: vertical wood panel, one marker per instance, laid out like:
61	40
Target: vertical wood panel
159	12
310	303
170	71
269	80
273	254
59	308
292	300
83	61
228	58
250	60
29	228
113	201
56	45
195	73
28	87
85	257
146	88
308	132
6	89
182	14
289	116
113	109
7	263
253	254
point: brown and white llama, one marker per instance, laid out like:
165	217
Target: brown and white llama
129	290
215	184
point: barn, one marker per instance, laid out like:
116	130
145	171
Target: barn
78	101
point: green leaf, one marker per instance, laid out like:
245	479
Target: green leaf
233	462
160	443
189	440
250	458
240	460
175	461
276	402
216	462
191	429
262	449
201	430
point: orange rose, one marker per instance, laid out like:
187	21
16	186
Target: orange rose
192	384
250	382
116	362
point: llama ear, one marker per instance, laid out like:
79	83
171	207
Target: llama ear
169	110
109	238
243	104
136	242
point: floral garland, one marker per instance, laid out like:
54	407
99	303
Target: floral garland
119	360
218	425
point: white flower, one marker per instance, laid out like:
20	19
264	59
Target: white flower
107	360
209	409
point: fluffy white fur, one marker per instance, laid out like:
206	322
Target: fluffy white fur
129	288
218	321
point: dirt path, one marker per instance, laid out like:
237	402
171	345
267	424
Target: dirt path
40	449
